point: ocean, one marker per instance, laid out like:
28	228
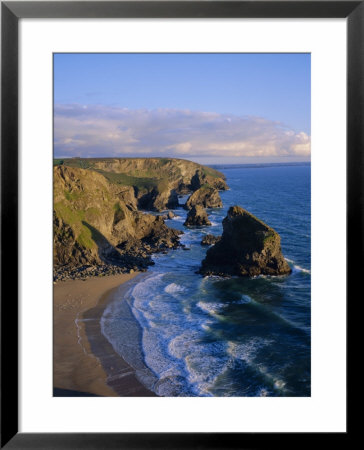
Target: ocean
189	335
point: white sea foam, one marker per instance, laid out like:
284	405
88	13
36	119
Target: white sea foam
207	325
203	361
212	308
297	268
161	320
178	218
279	384
174	288
301	269
247	351
122	331
172	338
205	368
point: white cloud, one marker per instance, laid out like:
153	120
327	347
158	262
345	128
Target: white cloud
92	130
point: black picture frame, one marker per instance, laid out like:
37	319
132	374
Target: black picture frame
11	12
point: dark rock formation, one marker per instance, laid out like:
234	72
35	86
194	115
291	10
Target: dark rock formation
66	248
158	200
210	239
183	189
198	180
205	196
248	247
220	184
197	217
202	177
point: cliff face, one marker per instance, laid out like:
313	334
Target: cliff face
248	247
97	222
156	181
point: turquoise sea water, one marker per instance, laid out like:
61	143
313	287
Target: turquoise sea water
208	336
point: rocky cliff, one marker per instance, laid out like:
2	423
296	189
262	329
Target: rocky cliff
248	247
197	217
157	182
210	239
96	222
206	196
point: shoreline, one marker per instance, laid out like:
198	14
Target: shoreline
84	362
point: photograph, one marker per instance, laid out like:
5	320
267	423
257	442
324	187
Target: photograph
181	224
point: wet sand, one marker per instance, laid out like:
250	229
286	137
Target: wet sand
84	362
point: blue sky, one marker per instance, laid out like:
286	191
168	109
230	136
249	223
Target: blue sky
228	107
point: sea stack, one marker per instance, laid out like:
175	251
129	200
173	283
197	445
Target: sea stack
205	196
197	217
248	247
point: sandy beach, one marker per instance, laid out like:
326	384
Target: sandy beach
84	362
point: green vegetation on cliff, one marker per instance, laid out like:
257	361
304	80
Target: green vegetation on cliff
128	180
